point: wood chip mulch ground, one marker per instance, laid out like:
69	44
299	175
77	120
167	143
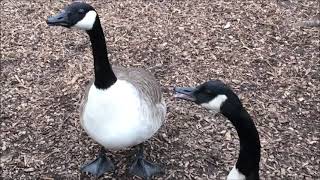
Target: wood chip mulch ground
268	51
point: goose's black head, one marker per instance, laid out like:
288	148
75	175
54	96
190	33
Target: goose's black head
213	95
78	14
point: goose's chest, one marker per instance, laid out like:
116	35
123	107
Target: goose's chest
116	117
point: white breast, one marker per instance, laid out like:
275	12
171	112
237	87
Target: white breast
116	117
235	174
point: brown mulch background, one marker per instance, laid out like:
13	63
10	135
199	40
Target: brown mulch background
268	51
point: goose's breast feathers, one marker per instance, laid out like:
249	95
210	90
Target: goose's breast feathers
145	83
127	113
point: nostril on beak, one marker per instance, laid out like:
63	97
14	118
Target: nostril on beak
60	17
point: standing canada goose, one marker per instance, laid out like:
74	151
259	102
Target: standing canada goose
123	107
218	97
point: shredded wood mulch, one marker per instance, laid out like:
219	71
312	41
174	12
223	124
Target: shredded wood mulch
268	51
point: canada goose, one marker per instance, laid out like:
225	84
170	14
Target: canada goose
123	107
218	97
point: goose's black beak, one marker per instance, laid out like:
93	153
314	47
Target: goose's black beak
60	19
186	93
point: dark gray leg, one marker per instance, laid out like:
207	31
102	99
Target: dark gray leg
99	166
143	168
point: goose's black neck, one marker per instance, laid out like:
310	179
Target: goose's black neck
249	156
104	76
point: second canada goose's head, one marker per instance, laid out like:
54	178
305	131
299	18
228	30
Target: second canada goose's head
213	95
218	97
78	14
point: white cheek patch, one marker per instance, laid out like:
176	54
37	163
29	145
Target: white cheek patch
235	174
215	104
87	22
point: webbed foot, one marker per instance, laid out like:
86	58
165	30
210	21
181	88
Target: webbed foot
99	166
143	168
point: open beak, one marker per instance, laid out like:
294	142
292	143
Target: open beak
60	19
185	93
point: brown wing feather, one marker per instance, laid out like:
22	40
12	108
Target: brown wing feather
84	99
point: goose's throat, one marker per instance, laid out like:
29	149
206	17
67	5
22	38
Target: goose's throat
104	76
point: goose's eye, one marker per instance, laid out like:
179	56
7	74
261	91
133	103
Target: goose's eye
208	91
81	11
